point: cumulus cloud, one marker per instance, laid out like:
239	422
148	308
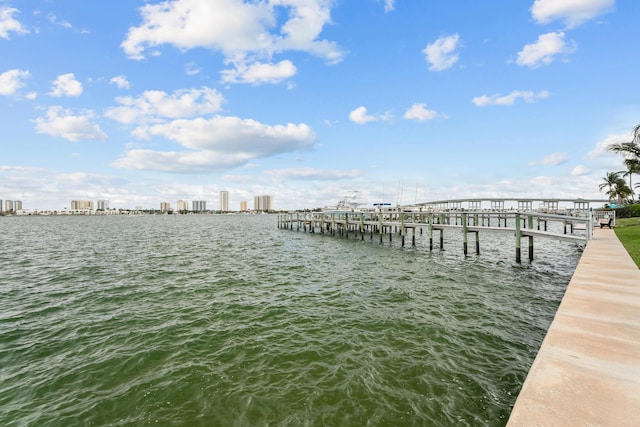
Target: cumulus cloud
66	85
602	147
419	112
120	81
543	51
155	105
580	170
180	162
509	99
12	80
63	123
573	13
8	24
360	116
235	135
216	144
313	174
245	32
257	73
441	54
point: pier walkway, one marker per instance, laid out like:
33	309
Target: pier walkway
587	372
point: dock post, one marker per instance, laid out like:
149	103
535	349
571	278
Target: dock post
361	226
518	258
402	229
442	238
464	232
346	225
430	232
477	243
530	239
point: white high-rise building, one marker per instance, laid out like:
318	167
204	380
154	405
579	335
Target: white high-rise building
165	206
243	206
262	203
182	206
103	205
224	201
8	205
198	206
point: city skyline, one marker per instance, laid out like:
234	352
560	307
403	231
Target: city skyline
403	101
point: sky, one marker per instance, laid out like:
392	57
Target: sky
404	101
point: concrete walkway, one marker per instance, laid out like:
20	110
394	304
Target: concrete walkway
587	372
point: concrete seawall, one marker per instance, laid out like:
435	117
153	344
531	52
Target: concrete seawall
587	372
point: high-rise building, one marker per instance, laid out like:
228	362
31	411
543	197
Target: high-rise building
243	206
224	201
82	205
199	206
262	203
0	205
103	205
17	205
165	206
182	206
8	206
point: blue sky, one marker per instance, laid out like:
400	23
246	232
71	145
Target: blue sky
307	100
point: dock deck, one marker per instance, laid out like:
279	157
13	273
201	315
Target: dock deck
587	371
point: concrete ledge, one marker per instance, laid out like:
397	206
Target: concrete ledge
587	372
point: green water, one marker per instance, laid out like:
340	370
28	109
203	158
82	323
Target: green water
208	320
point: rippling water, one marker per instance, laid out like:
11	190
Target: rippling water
228	321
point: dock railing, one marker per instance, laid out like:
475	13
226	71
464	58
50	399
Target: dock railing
575	227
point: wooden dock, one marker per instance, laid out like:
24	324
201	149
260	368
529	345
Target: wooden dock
384	224
587	371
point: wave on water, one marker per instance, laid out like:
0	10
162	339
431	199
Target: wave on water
229	321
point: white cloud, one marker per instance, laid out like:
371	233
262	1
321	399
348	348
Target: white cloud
8	24
12	80
234	135
542	52
154	105
245	32
314	174
181	162
360	116
54	20
120	81
257	73
66	85
192	69
419	112
601	148
554	159
580	170
572	12
442	54
63	123
389	5
510	99
217	144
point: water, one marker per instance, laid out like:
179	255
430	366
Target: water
228	321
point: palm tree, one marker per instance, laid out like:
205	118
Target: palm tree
630	151
622	192
633	166
611	180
